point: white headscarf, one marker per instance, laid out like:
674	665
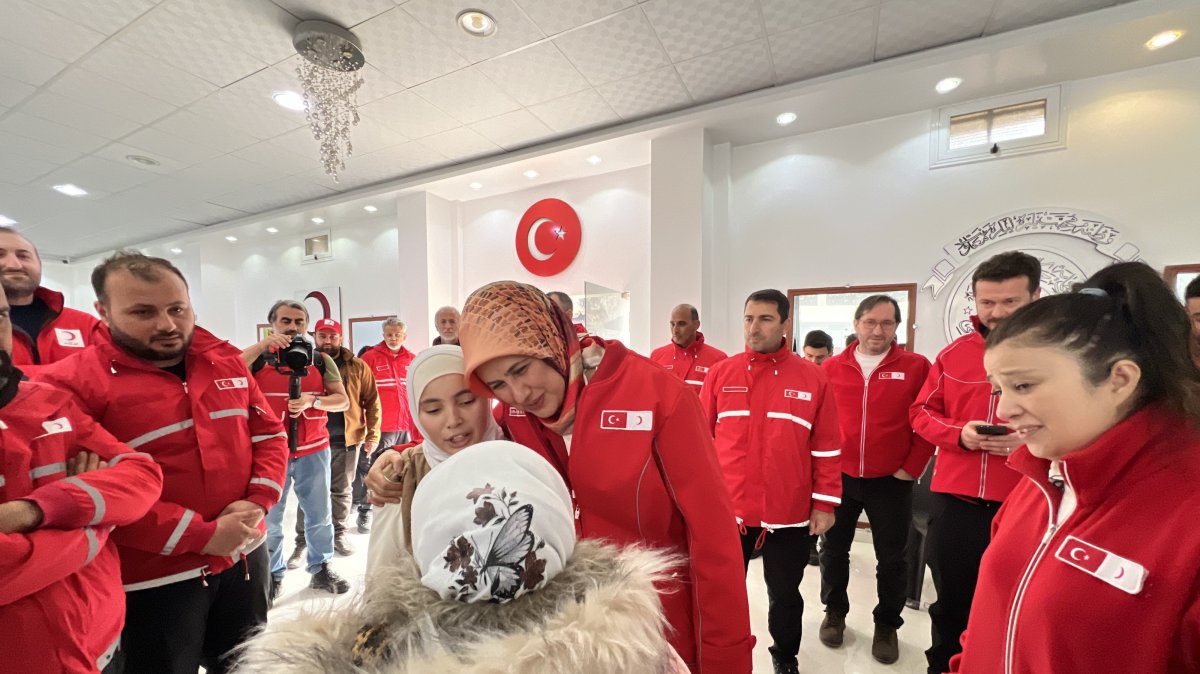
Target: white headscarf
434	362
493	522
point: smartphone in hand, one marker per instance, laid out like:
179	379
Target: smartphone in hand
991	429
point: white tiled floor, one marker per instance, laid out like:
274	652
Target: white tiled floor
854	657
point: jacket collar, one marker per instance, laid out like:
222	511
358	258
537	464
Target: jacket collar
777	356
53	299
204	345
692	348
847	358
382	348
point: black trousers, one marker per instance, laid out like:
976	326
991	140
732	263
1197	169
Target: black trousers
784	556
959	533
888	503
387	440
343	463
177	628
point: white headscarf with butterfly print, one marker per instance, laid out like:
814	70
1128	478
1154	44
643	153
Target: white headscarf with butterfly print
493	522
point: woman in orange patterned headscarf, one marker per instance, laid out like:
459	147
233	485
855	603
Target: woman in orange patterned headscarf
630	441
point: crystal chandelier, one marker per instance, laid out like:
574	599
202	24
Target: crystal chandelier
329	77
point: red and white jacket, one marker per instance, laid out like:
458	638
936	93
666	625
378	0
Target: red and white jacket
391	378
691	364
61	603
777	438
313	429
877	437
1100	575
956	392
643	472
212	435
67	332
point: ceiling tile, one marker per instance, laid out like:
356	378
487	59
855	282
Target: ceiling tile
514	129
119	152
690	28
911	25
119	62
76	115
22	124
467	94
837	44
556	76
345	13
21	171
260	116
556	16
13	92
575	112
157	143
728	72
46	32
190	45
646	94
376	85
370	136
273	195
106	16
515	30
259	28
204	130
1013	14
461	144
405	50
620	46
390	163
95	174
225	174
278	157
781	15
21	146
24	65
111	97
409	114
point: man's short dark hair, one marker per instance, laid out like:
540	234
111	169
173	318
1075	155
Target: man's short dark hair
273	312
850	339
1192	291
5	229
771	295
819	339
141	266
1010	265
874	301
563	299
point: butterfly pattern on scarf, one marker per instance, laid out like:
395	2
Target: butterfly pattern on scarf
500	556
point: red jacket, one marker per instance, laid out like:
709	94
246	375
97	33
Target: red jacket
66	333
61	603
391	378
877	437
1108	583
643	472
213	436
691	364
312	431
777	437
956	392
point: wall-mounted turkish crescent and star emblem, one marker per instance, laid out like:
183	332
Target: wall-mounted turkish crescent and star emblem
548	237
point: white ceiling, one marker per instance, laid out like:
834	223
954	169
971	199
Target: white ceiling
188	83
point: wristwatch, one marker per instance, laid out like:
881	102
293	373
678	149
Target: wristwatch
316	402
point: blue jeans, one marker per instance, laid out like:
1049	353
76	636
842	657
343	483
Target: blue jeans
310	474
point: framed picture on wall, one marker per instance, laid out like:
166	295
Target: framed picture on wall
1178	276
365	331
261	331
832	310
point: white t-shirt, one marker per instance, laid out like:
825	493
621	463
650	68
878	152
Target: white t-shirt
868	363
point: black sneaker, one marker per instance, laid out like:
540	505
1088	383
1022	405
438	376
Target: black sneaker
364	521
785	666
342	546
276	585
297	557
327	580
832	629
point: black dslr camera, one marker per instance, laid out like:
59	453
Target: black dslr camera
293	362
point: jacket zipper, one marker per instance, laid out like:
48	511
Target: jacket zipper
862	445
983	456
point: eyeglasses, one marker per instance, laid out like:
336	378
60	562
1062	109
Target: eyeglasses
870	325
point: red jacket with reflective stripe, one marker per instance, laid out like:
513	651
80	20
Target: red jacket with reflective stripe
643	472
213	436
957	391
313	431
61	603
1108	584
691	364
391	378
776	430
877	436
66	333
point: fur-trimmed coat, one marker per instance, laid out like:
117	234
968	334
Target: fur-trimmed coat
601	615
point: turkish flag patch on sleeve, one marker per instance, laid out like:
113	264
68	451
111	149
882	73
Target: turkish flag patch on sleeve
627	420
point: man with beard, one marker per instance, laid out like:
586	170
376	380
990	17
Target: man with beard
445	321
196	579
44	331
321	392
1191	299
971	478
349	432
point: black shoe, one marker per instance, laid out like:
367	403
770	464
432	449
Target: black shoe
832	629
342	546
884	647
276	585
364	521
297	557
788	666
327	580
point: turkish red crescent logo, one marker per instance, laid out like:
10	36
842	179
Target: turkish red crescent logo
322	300
548	237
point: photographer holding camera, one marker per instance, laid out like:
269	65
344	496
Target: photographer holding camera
301	385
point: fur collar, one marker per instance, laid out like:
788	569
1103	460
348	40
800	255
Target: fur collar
600	615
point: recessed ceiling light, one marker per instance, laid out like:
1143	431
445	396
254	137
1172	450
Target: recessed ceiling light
6	221
476	186
141	159
272	230
1164	39
477	23
370	209
318	221
231	239
70	190
947	85
594	159
177	250
785	118
289	99
531	174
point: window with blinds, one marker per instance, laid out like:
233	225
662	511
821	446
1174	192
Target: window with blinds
1007	125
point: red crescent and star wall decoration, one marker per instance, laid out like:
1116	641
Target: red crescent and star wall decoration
548	237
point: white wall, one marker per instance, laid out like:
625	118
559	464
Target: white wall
860	205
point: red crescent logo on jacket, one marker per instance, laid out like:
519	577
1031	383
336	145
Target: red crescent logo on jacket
627	420
1124	574
701	368
514	412
68	337
233	382
548	237
891	375
798	395
60	425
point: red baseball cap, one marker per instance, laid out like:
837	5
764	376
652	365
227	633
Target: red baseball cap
328	324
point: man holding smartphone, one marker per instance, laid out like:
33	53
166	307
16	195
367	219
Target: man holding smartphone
956	411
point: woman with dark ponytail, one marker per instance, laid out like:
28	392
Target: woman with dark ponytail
1095	558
